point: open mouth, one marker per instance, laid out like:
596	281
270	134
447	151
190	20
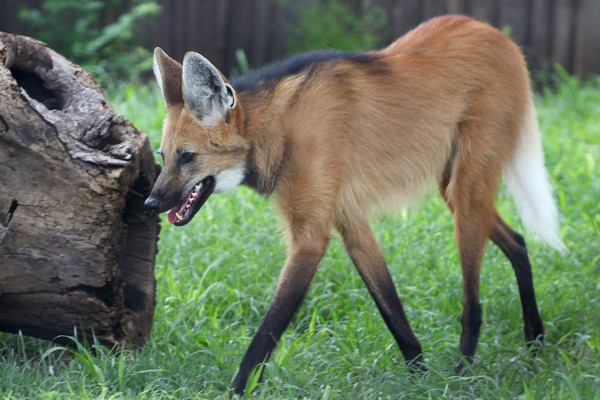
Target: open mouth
183	213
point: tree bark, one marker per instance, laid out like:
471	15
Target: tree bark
77	248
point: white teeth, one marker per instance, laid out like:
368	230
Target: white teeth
193	195
196	191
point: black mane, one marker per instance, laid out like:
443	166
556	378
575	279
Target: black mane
271	73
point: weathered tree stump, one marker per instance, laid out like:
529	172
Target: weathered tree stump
77	247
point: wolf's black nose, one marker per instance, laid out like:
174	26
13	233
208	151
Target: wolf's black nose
152	204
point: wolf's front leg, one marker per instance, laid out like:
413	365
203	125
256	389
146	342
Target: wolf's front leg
294	281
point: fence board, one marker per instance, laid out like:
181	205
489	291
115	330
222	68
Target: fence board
587	47
404	15
195	16
239	30
259	33
562	34
220	31
484	10
275	43
514	14
540	32
435	7
458	7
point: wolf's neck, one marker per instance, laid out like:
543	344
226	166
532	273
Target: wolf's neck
264	128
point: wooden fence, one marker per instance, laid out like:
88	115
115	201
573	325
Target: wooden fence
550	31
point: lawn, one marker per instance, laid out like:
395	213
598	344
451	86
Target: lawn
216	276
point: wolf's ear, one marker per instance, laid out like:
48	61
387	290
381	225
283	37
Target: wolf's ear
205	92
168	76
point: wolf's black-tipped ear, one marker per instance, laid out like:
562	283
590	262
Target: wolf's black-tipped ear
168	74
205	92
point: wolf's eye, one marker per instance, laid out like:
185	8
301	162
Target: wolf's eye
186	157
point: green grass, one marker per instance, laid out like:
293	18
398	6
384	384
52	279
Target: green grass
216	276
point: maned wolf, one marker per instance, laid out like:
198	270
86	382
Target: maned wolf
333	135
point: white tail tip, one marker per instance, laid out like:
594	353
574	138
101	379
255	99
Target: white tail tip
527	180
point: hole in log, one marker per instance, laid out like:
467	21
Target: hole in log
11	210
3	126
115	135
135	299
34	86
105	293
5	219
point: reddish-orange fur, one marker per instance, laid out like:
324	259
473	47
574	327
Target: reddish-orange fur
442	105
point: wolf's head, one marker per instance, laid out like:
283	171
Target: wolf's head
202	149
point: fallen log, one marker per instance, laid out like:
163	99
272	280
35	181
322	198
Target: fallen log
77	248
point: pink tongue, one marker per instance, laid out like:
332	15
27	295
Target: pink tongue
172	216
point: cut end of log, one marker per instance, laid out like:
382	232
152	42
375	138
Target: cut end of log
77	247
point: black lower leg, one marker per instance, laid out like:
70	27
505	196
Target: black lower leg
368	259
533	325
262	345
291	288
471	324
513	246
390	307
471	315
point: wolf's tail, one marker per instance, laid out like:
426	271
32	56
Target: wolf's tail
528	182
